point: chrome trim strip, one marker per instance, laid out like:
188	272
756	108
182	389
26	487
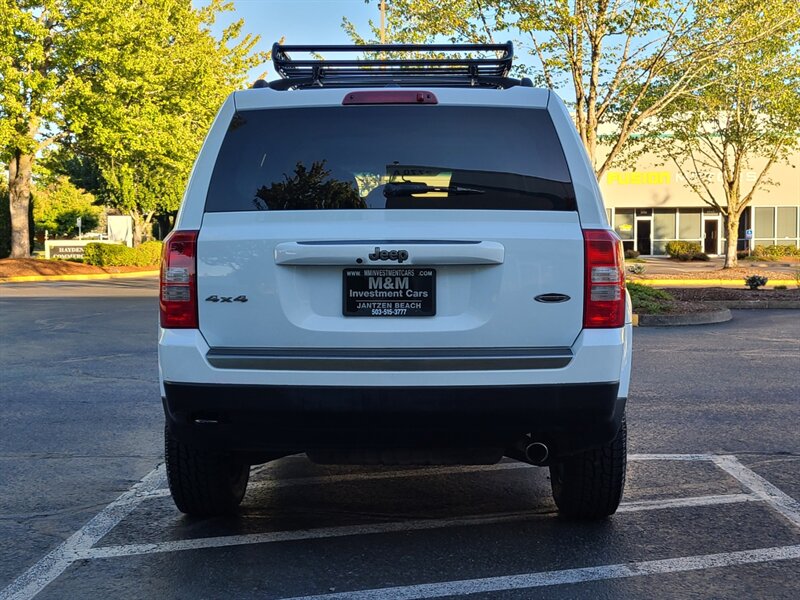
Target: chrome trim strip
354	253
389	359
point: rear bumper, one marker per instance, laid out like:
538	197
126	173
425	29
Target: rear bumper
279	419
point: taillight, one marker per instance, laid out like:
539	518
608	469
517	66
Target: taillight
604	281
178	291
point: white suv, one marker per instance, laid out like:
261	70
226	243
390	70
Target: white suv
394	262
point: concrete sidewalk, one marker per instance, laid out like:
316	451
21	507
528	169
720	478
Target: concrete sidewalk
662	265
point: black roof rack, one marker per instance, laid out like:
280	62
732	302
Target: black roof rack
387	71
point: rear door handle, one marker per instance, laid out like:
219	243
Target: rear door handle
396	252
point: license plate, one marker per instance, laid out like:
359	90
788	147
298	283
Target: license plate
400	292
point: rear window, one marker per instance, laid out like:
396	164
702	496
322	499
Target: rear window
391	157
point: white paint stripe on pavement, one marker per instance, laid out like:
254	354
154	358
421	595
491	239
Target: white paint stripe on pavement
33	581
422	472
777	499
390	527
566	576
678	457
694	501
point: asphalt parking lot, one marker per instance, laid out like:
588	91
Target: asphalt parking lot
711	507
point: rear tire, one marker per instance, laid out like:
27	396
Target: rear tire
203	483
589	485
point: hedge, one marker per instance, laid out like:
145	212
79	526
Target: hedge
119	255
775	251
685	250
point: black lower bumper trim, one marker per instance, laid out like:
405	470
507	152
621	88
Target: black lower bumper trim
297	418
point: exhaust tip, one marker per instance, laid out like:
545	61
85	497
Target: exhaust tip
536	453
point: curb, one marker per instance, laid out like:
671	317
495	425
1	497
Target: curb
710	317
84	277
760	304
709	282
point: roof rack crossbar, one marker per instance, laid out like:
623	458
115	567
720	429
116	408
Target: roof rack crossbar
449	71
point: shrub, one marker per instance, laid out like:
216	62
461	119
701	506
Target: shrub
119	255
755	281
148	253
685	250
775	251
701	256
647	300
108	255
636	269
631	254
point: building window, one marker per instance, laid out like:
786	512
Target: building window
690	224
787	225
623	225
664	227
764	226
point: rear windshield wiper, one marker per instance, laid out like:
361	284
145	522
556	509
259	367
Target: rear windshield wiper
409	188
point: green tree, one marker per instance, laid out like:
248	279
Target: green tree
617	58
133	84
745	116
32	75
308	189
158	83
57	206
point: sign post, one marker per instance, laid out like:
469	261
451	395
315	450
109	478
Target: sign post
748	235
79	227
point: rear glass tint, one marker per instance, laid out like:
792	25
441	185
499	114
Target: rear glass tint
391	157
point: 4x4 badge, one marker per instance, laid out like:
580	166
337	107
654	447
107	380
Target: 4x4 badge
226	299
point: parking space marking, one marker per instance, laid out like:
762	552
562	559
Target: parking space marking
549	578
35	579
779	500
388	527
694	501
81	545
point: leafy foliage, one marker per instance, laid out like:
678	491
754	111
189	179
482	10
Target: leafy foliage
57	206
164	76
745	115
775	251
637	269
649	301
118	255
308	189
130	87
683	250
624	62
755	281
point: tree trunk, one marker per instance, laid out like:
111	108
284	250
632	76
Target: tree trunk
20	170
732	235
137	228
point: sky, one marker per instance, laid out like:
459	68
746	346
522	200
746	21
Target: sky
300	21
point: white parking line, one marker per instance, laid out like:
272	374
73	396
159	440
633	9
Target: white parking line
81	544
678	457
780	501
56	562
566	576
389	527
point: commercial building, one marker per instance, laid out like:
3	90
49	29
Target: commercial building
651	204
